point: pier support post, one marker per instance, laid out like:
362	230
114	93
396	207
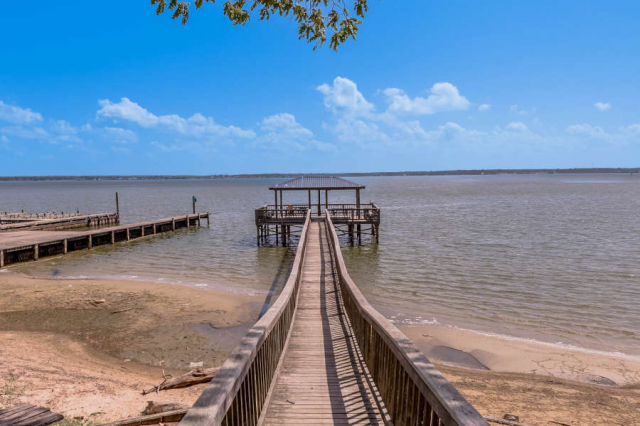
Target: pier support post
142	230
90	242
113	237
1	258
36	251
173	224
208	218
65	244
351	234
117	207
258	235
128	236
283	229
154	229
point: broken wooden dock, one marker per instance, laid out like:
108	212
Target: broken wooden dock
44	222
25	245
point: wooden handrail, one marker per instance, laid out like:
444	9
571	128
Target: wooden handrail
237	394
414	392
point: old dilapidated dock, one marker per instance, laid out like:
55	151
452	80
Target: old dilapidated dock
32	243
34	222
322	354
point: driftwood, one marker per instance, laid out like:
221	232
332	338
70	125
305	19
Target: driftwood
505	422
157	407
193	377
153	419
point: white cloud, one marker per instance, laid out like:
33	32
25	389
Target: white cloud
516	109
587	130
283	131
357	122
25	132
344	95
196	126
602	106
484	107
443	97
517	126
118	135
633	129
64	127
17	115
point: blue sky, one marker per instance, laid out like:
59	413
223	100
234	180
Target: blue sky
109	88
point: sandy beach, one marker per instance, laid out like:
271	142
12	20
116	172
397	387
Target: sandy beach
88	348
540	383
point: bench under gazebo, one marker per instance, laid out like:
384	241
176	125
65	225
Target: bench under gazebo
281	216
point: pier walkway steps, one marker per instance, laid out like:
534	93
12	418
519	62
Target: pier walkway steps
322	354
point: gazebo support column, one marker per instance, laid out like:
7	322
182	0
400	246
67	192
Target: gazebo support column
275	201
309	199
359	214
318	202
326	199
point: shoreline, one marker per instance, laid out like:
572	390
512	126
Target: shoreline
86	346
482	351
248	292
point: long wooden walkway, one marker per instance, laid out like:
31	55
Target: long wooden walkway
321	379
322	354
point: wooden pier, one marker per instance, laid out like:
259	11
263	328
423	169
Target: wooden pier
16	222
322	355
25	245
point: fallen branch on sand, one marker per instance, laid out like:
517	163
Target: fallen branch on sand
168	417
505	422
193	377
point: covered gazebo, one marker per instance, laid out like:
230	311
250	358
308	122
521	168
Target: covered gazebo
282	216
316	184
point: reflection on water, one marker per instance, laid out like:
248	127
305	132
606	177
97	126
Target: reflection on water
549	257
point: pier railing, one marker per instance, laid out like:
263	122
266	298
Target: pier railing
414	392
271	214
235	397
342	213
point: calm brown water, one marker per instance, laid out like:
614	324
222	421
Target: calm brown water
552	258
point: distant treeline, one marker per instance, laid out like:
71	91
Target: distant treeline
288	175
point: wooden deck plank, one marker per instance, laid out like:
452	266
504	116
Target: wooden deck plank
322	379
28	415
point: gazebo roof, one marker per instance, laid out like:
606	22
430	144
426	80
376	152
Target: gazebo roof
304	183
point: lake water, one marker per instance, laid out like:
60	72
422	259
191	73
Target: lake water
552	258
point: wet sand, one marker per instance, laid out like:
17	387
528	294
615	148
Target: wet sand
89	347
